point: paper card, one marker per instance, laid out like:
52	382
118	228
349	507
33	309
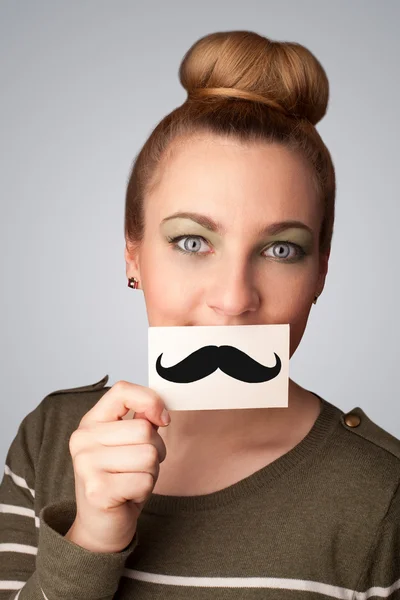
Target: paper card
220	367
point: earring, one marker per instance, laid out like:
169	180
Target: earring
133	283
315	299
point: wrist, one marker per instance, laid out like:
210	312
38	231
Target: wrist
79	537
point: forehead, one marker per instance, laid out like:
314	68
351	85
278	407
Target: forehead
223	177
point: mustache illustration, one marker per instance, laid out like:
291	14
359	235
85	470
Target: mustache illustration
230	360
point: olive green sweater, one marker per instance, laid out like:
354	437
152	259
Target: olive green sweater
322	521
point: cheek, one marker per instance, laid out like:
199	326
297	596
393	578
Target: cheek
297	300
297	313
293	304
297	327
292	289
168	295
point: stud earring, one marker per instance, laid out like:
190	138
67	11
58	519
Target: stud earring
133	283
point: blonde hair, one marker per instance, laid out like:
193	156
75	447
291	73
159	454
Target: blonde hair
245	86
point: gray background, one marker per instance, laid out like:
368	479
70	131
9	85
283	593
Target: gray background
82	86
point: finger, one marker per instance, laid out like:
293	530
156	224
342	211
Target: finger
121	459
118	433
121	398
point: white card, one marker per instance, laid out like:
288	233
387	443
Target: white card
220	367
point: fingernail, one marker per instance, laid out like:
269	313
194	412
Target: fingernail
165	416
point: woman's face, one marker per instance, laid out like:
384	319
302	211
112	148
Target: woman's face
218	263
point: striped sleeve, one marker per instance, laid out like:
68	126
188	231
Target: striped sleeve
36	561
19	525
381	576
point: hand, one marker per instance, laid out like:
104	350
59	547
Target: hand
116	465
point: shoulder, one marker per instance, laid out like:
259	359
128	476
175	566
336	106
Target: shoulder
370	435
370	457
70	404
92	387
363	462
49	425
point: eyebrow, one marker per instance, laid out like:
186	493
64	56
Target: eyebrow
212	225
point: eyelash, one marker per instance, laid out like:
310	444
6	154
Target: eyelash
174	240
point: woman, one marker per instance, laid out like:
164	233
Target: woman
229	221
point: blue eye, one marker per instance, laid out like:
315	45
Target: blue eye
190	244
299	252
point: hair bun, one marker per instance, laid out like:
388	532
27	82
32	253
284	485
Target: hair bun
285	74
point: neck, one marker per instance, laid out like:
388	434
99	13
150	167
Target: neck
242	429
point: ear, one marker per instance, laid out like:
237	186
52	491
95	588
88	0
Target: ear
132	260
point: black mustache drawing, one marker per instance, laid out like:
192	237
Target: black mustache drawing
208	359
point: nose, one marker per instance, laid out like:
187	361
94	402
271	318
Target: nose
232	292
